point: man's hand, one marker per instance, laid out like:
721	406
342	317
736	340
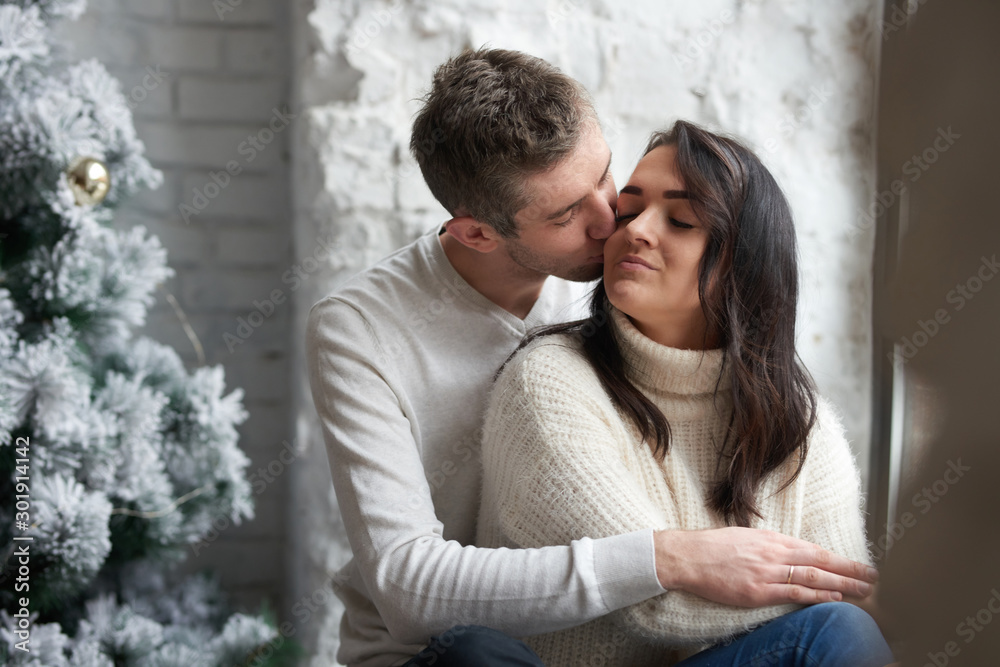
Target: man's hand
747	567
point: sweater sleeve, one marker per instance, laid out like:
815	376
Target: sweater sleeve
421	583
555	459
832	514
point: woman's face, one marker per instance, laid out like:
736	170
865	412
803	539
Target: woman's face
651	261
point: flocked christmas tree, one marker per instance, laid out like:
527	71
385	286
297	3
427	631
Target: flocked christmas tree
113	457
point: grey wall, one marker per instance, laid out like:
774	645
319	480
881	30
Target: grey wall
218	79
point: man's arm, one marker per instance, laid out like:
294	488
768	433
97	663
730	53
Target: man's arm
747	567
421	583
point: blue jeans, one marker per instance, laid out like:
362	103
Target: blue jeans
475	646
832	634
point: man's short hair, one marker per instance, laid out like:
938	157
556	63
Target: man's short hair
492	118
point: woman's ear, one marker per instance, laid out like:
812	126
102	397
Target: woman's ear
472	233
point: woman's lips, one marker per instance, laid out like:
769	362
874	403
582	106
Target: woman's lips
635	263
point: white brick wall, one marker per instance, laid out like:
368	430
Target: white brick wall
222	78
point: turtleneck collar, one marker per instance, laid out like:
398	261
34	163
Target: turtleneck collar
658	369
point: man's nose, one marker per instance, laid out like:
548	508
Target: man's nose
603	224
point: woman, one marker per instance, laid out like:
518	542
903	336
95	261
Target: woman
679	404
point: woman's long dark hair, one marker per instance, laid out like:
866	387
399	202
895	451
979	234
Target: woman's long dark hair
748	286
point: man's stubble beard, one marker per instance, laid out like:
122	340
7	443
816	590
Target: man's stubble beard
535	263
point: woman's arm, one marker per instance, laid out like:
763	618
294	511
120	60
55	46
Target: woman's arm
832	515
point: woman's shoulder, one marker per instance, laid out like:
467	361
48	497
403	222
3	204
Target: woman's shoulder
828	442
560	348
549	389
829	420
549	360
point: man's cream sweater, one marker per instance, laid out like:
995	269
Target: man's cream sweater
561	464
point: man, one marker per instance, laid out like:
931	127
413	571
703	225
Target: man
401	359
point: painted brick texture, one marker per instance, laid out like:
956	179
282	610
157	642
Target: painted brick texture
205	86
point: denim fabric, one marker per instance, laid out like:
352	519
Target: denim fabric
474	645
832	634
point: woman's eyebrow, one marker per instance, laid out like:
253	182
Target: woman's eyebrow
667	194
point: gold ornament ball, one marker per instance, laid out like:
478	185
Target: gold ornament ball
89	180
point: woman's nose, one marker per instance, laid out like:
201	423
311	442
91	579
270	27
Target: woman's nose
640	229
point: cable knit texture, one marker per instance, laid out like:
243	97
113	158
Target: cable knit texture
561	463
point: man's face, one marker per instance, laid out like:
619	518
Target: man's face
572	212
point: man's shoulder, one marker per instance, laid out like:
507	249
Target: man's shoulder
405	268
393	282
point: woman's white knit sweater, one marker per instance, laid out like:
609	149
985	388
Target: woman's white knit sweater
560	463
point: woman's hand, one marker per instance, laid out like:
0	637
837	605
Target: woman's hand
747	567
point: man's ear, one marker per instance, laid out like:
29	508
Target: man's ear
472	233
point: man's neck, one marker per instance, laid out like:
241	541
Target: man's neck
495	276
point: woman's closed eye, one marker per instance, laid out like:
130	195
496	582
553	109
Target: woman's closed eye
623	218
